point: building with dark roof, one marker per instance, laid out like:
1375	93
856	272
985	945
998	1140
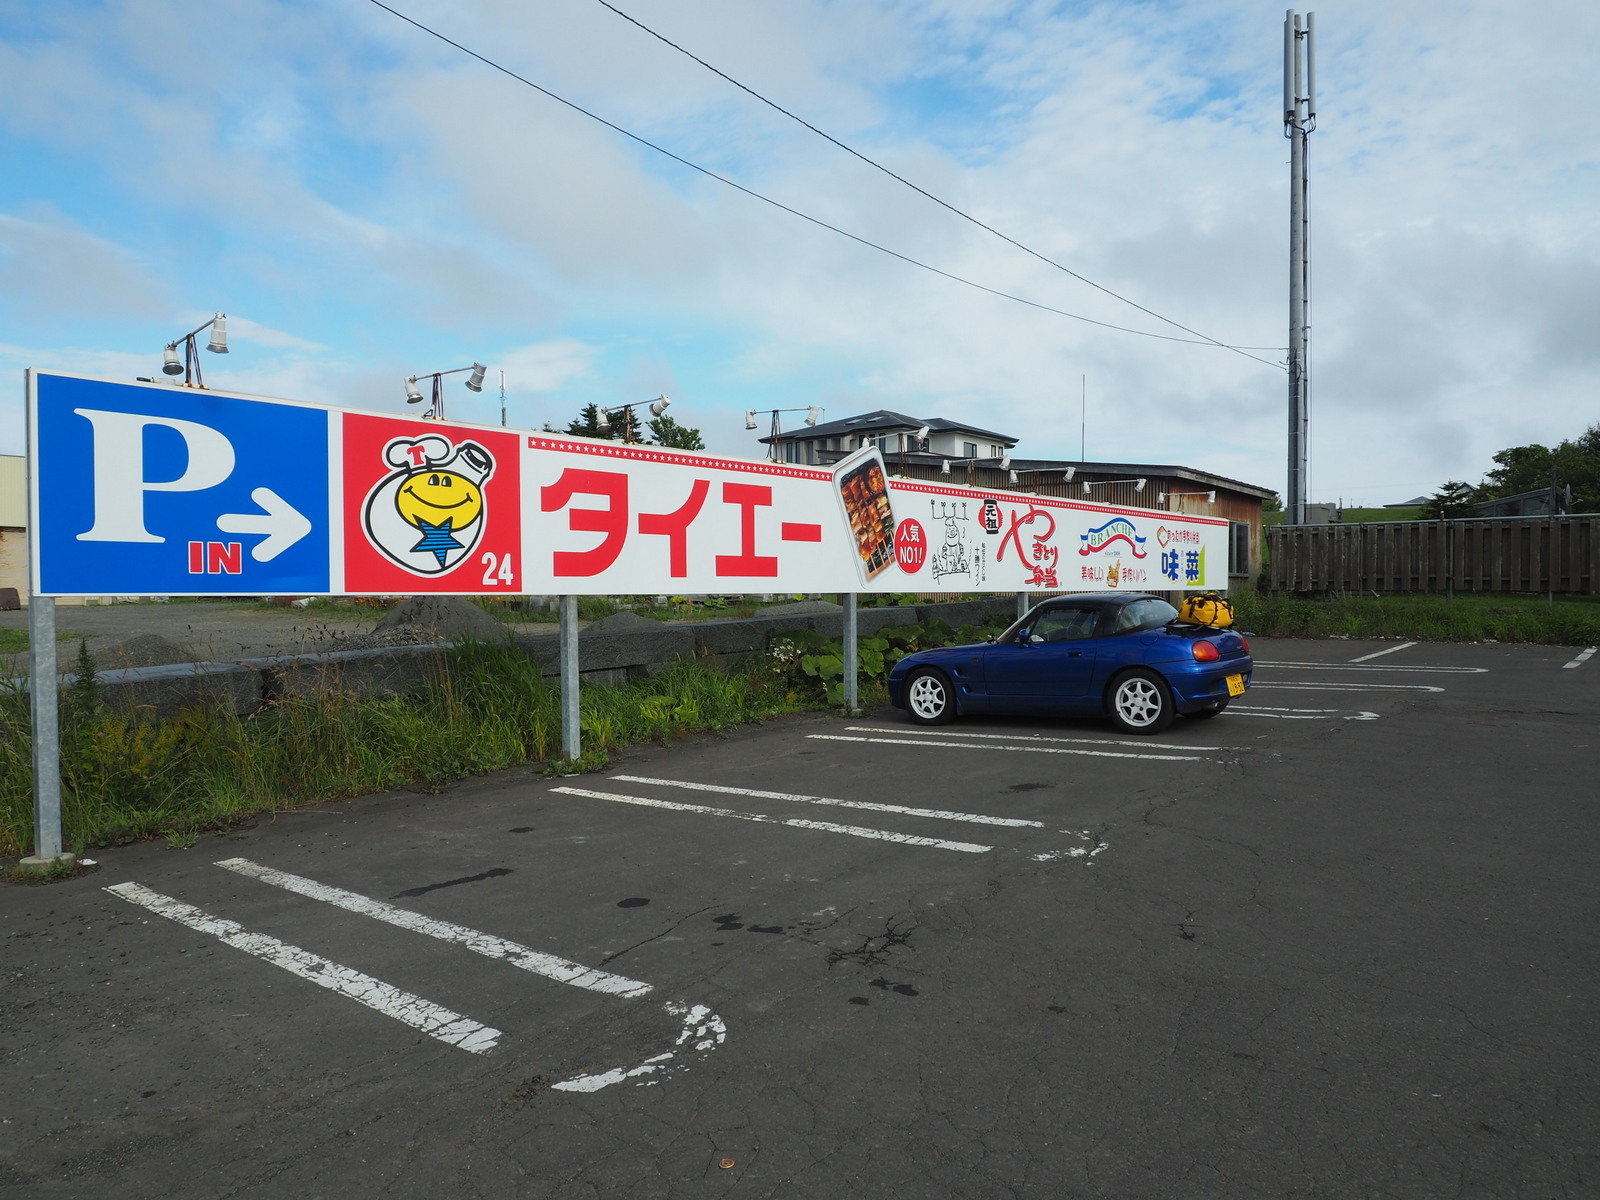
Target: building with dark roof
895	433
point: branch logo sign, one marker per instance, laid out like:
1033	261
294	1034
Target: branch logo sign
429	504
1118	529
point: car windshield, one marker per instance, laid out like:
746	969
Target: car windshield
1149	613
1065	624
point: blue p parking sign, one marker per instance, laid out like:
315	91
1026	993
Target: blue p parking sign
152	489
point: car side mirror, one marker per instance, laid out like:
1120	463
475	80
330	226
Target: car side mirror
1035	640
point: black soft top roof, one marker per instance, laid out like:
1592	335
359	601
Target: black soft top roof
1097	599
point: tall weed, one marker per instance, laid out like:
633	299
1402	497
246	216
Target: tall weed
127	775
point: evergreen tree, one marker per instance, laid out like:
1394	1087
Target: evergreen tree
1573	464
1454	499
664	431
587	424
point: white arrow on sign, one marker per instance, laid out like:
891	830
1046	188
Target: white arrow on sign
283	524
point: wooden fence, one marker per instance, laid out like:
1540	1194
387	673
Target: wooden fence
1507	554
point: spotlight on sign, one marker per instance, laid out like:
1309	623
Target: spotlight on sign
435	411
189	368
219	335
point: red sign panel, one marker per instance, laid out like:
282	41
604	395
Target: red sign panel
430	507
910	545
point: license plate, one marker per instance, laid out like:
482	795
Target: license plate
1235	685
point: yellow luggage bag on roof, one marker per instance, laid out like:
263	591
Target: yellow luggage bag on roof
1207	608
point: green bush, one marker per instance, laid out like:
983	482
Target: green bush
126	775
812	665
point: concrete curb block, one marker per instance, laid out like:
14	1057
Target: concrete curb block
607	658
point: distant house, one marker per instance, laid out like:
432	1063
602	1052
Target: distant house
928	439
936	448
14	530
14	524
1524	504
1414	502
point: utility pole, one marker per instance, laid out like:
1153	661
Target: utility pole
1299	119
502	399
1083	419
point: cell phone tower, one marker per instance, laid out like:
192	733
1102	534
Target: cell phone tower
1299	119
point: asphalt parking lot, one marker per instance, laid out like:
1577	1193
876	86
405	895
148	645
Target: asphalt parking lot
1340	941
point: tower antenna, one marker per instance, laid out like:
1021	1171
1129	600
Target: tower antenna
1299	119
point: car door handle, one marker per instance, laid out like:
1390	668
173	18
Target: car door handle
1074	653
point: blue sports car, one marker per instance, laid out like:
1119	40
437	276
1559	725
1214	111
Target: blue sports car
1122	655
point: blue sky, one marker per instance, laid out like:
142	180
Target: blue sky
366	203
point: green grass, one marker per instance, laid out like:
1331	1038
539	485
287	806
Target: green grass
15	641
126	777
590	608
1353	516
1500	617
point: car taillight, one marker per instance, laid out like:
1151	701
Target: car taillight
1206	652
1244	643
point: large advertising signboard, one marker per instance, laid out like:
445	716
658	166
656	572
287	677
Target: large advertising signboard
155	489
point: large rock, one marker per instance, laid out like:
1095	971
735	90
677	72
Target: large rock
444	619
799	608
146	650
626	622
971	612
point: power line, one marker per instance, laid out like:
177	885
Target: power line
965	216
817	221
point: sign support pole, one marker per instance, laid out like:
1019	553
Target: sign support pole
570	740
852	700
45	703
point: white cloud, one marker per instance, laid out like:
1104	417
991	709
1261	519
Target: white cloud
50	270
547	366
400	201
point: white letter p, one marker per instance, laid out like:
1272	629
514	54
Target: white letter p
119	482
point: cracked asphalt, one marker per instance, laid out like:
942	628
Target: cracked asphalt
1339	942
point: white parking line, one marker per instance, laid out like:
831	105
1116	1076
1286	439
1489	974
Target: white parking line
1305	666
1348	687
1302	714
699	1023
1031	737
432	1019
882	835
1381	653
1580	660
548	965
953	745
1088	849
940	814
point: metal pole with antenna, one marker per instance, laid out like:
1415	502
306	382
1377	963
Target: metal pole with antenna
502	399
1299	119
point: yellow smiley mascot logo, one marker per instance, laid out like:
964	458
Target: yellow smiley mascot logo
429	513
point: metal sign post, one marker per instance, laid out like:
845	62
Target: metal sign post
571	740
852	701
45	704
